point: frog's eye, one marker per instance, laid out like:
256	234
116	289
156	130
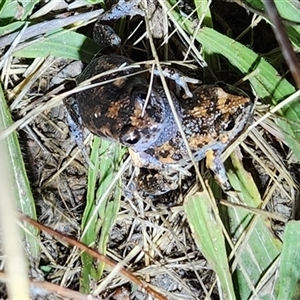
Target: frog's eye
230	125
131	139
139	94
141	97
130	136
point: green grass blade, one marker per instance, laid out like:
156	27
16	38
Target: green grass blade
22	190
109	209
203	11
204	14
11	27
258	249
288	10
15	10
91	234
65	43
288	286
209	238
106	158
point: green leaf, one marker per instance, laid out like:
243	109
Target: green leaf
203	11
21	186
17	10
288	286
4	30
258	248
65	43
288	10
209	238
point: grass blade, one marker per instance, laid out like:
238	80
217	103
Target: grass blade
21	186
256	247
289	272
77	47
209	238
105	157
15	10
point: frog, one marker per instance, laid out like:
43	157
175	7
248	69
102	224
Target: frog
124	106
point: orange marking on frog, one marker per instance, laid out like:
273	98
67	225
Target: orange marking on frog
113	110
198	141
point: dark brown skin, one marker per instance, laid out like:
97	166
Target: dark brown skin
211	119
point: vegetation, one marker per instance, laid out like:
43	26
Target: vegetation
189	244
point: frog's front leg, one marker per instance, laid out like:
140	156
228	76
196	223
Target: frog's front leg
178	77
121	9
214	163
76	125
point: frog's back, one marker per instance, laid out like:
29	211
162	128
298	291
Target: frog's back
215	115
211	120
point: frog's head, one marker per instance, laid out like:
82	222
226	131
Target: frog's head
151	122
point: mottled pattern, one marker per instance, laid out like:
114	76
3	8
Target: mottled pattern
118	110
211	120
125	108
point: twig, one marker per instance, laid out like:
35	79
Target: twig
283	40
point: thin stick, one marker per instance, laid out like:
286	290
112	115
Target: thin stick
95	254
283	40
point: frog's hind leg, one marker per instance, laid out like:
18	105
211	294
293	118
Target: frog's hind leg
214	163
155	183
